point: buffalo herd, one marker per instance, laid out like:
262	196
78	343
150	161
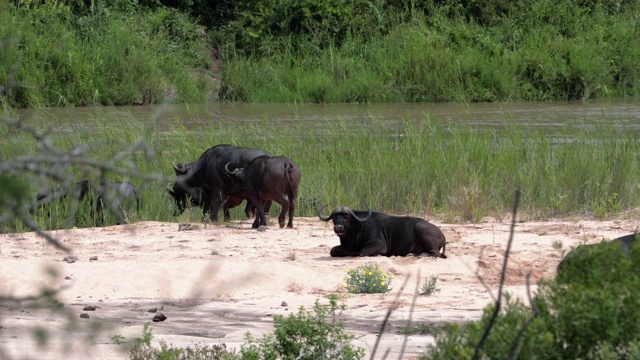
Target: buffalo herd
225	175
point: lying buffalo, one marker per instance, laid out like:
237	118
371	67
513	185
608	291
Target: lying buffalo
205	182
100	194
268	178
588	257
367	233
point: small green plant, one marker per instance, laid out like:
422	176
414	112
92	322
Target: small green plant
367	279
316	334
422	328
118	339
142	350
429	286
557	246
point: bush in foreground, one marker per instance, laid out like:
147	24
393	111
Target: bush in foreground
315	334
592	313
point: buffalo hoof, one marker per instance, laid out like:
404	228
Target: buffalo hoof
262	228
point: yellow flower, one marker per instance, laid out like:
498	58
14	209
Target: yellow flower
348	271
370	272
382	283
345	285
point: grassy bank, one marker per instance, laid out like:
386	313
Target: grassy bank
548	52
52	57
418	167
317	51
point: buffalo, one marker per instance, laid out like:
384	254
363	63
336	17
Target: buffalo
368	233
101	194
268	178
186	197
205	182
587	257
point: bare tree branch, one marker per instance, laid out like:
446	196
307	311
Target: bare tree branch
536	312
35	227
386	318
503	275
413	305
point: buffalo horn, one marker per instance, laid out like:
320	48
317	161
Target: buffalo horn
226	167
356	216
169	189
324	218
179	169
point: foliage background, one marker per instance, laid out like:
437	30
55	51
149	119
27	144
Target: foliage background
137	52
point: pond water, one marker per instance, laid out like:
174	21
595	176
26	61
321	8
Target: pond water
549	116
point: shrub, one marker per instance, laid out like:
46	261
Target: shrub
317	334
591	313
142	350
367	279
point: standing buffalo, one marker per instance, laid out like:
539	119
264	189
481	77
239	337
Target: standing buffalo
205	182
367	233
268	178
588	257
186	197
101	194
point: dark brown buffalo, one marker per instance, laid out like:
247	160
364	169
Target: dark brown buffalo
206	181
367	233
268	178
186	197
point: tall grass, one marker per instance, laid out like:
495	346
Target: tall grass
416	167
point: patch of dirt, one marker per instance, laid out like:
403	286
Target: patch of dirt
214	283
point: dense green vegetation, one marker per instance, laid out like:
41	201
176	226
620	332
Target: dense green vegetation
124	52
592	314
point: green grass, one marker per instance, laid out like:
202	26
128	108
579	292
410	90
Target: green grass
417	167
543	50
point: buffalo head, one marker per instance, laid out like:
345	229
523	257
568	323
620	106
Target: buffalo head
184	197
342	218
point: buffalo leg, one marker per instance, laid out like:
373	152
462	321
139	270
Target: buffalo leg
214	202
373	250
341	251
292	208
284	202
259	211
230	203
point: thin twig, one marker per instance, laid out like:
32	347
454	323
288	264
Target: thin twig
536	312
38	230
503	275
386	318
413	305
480	279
